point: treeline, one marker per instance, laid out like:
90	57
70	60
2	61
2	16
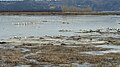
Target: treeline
75	9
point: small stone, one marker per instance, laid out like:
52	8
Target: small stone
63	44
2	42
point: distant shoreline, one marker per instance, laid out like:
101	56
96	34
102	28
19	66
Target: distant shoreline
56	13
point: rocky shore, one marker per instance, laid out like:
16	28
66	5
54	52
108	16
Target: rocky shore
96	48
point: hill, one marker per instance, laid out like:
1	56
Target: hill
59	5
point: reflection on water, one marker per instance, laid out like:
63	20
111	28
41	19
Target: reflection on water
23	66
114	49
109	46
81	65
6	46
51	24
101	52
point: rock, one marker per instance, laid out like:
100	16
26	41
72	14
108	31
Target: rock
63	44
27	44
65	22
50	44
41	38
65	30
31	37
44	21
3	42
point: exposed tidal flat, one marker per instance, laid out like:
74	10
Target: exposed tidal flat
59	41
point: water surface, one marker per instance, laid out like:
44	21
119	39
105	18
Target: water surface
51	24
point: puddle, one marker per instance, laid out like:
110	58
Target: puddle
67	65
109	46
100	52
46	66
72	46
114	49
98	42
23	66
7	46
31	60
81	65
111	35
24	50
71	42
29	55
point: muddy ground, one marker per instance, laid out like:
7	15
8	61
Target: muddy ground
97	48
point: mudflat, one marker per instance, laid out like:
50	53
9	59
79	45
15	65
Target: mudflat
59	41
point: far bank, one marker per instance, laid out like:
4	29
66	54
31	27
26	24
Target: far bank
55	13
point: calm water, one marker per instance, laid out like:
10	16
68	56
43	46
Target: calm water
51	24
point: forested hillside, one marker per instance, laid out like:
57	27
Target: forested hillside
60	5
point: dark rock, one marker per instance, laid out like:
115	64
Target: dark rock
63	44
45	21
27	44
50	44
3	42
41	38
31	37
